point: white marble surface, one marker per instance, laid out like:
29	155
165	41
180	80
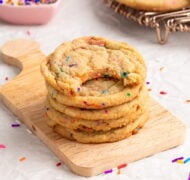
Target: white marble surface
90	17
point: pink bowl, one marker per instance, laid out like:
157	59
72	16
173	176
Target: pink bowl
29	14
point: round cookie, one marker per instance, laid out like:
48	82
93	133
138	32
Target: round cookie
102	136
96	102
95	125
74	63
156	5
114	112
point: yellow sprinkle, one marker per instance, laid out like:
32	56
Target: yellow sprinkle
22	159
180	161
161	68
149	89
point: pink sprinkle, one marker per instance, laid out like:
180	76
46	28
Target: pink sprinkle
2	146
6	78
106	111
58	164
28	33
163	92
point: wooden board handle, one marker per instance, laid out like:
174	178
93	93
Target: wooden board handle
18	52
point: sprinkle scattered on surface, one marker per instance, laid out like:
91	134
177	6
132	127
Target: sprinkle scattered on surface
149	89
161	68
22	159
15	125
163	92
187	101
147	82
119	171
6	78
58	164
180	161
108	171
121	166
176	159
189	176
28	33
78	89
2	146
186	160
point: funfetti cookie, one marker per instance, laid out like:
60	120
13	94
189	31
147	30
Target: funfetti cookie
156	5
76	62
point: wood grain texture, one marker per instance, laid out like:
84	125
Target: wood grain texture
25	96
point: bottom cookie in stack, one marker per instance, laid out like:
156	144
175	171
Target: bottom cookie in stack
112	135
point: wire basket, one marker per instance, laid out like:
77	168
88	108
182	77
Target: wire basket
163	22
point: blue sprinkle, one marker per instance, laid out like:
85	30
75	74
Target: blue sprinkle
105	91
187	160
124	74
68	58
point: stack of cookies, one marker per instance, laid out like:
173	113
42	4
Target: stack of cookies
96	90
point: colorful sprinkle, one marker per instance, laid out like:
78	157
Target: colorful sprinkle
121	166
68	58
28	33
189	176
124	74
187	101
106	111
106	75
149	89
105	91
2	146
180	161
118	171
176	159
186	160
161	68
72	65
147	82
128	94
6	78
15	125
26	2
58	164
108	171
22	159
78	89
61	69
163	92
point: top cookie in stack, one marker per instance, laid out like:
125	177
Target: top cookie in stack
96	90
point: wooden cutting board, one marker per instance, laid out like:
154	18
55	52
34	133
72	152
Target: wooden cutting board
25	96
